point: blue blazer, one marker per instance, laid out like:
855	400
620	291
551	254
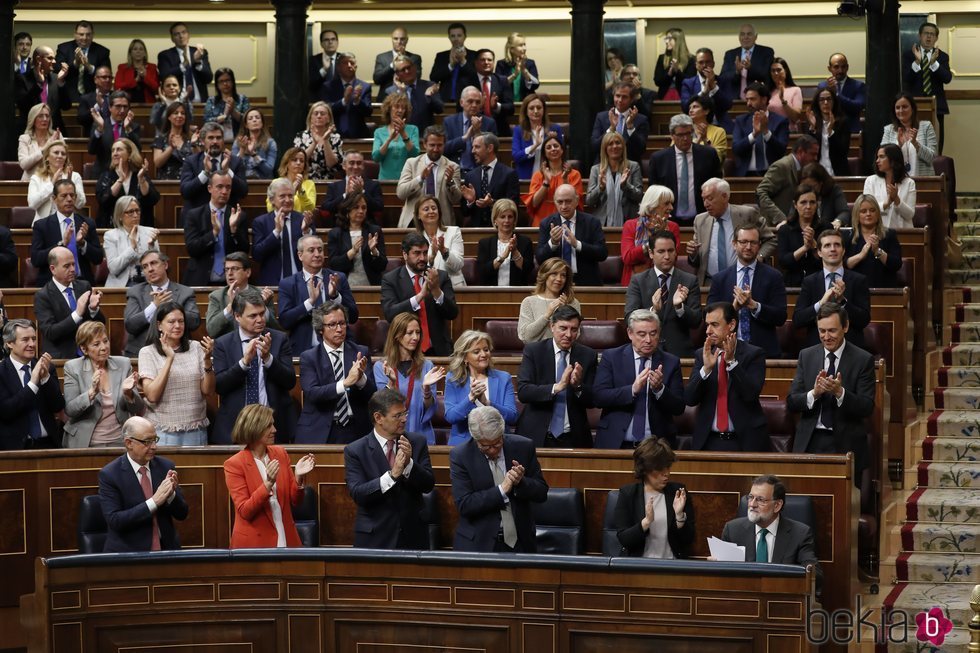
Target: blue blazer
691	88
17	400
320	395
503	184
293	315
523	163
613	392
280	377
636	144
775	147
769	290
350	118
46	235
124	507
457	148
267	248
389	520
419	417
500	387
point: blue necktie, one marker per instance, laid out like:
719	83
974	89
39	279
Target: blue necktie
455	78
683	207
218	267
33	418
72	304
760	154
73	244
561	399
744	323
639	429
831	278
566	247
252	378
721	243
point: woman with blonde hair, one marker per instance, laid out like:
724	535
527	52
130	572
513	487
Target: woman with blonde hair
674	66
396	139
615	183
506	258
126	243
874	251
293	166
55	165
521	72
472	381
655	208
256	146
34	138
322	143
138	77
554	288
127	174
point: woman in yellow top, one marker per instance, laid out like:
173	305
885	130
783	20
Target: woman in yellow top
702	112
293	167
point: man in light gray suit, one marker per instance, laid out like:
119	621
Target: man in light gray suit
143	298
220	319
671	293
430	173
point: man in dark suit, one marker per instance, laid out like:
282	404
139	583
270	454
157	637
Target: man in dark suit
748	63
643	98
733	371
835	283
140	495
454	68
926	71
143	299
756	290
8	259
220	319
212	231
337	382
353	181
42	84
639	387
188	64
65	228
834	391
122	124
776	190
673	294
760	136
625	119
498	95
196	171
696	164
63	303
387	472
489	180
323	66
30	396
784	541
82	56
706	82
495	479
349	98
384	63
425	291
464	126
555	385
97	99
423	95
275	235
850	92
312	286
253	365
573	236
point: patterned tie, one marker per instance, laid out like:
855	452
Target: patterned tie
251	377
423	317
828	409
926	75
831	279
762	548
683	205
33	418
72	243
81	78
72	304
390	453
721	407
557	426
744	316
342	413
148	493
485	182
218	267
506	517
664	284
639	429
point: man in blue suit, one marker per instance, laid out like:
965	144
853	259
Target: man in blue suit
337	383
760	136
423	95
496	478
353	181
706	82
850	92
197	170
574	236
188	64
756	290
625	119
349	98
253	365
140	494
387	472
466	125
748	63
275	235
490	180
638	386
312	286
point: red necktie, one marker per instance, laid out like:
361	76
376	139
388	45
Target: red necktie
722	405
426	342
390	446
116	131
486	96
147	493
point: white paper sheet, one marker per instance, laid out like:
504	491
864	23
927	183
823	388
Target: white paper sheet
725	551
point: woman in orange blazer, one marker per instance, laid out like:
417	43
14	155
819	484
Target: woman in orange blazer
261	483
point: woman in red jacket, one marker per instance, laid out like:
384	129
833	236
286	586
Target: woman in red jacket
655	208
138	76
262	485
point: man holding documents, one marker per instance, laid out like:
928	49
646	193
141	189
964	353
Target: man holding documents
767	535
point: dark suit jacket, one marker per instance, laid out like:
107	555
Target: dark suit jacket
503	184
613	392
350	117
107	201
46	235
54	319
478	499
775	146
769	289
912	81
27	93
630	511
124	507
267	247
762	57
793	545
293	315
534	384
339	243
691	88
424	107
101	145
397	291
663	170
505	98
589	232
744	387
195	193
857	301
230	384
457	148
168	63
486	252
443	74
390	520
98	55
320	395
316	80
84	111
675	332
8	259
200	242
636	143
138	298
17	400
384	74
336	192
839	147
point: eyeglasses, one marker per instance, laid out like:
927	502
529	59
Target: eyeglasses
683	134
135	211
334	325
760	500
746	243
402	415
234	268
403	69
148	442
123	107
826	98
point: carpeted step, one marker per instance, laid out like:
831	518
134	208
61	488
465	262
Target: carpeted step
970	261
966	229
959	376
938	567
942	474
963	277
957	399
971	242
967	312
956	641
942	449
962	355
914	598
953	423
940	538
965	331
944	506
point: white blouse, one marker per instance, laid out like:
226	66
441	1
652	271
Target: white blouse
39	195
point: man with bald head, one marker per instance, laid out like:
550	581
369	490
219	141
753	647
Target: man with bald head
42	84
384	63
750	62
63	304
574	236
850	92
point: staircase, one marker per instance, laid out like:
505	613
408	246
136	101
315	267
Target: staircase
935	539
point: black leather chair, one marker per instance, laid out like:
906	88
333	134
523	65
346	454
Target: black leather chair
560	522
610	543
431	518
797	507
92	529
305	516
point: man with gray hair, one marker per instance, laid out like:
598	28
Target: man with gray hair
276	234
495	479
143	298
195	173
488	181
463	127
683	168
349	98
30	395
354	180
639	387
